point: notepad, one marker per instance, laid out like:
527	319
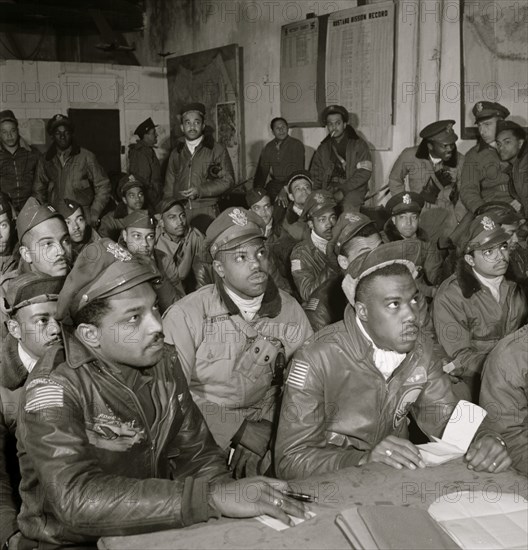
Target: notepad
458	435
277	524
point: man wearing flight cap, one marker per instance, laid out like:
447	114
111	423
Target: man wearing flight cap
18	161
131	192
31	308
9	254
512	147
109	414
342	163
80	232
70	171
309	262
486	178
143	162
138	237
234	339
433	169
478	305
299	187
199	169
349	391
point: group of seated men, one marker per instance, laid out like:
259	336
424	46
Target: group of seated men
150	371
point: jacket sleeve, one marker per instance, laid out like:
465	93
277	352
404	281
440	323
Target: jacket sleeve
360	174
41	182
85	499
101	185
301	449
397	175
226	180
304	277
451	325
317	170
504	395
170	175
470	184
138	165
8	508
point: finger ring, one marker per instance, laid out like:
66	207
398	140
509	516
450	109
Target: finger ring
388	452
278	502
494	464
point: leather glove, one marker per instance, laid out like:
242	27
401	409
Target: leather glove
430	191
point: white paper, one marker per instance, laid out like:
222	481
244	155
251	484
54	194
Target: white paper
277	524
458	434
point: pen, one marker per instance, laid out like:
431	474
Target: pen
298	496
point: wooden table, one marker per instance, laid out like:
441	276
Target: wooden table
370	484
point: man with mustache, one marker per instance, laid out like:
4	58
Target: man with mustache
309	264
349	391
31	308
110	440
234	339
478	305
199	169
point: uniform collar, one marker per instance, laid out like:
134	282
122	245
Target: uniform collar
77	354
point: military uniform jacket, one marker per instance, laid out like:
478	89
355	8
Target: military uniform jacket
281	162
310	268
337	406
520	177
358	168
113	223
81	179
93	465
185	171
228	378
504	394
484	178
469	322
145	165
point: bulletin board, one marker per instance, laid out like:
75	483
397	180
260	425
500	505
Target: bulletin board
494	38
347	58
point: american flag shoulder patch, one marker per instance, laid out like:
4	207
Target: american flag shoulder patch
298	374
296	265
312	304
43	393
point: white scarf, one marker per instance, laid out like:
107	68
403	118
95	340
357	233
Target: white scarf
192	144
493	284
386	361
269	227
319	242
248	308
27	360
298	210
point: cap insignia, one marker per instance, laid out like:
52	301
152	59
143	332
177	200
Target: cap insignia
59	117
449	128
352	218
479	107
118	252
238	217
131	178
319	198
487	223
50	208
406	198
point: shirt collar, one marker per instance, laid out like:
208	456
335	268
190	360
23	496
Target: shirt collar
27	360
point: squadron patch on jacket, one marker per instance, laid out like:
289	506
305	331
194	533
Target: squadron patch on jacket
298	374
296	265
43	393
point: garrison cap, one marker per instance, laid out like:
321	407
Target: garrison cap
8	116
406	201
128	181
487	109
255	195
145	127
5	206
166	204
32	214
405	252
500	212
102	269
232	228
317	202
334	110
440	131
299	175
31	288
200	107
347	227
56	121
140	219
67	207
503	125
483	233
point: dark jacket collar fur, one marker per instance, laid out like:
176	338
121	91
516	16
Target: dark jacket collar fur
208	141
393	234
468	282
13	374
423	153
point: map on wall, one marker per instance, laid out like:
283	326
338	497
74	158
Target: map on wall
211	77
494	58
359	68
